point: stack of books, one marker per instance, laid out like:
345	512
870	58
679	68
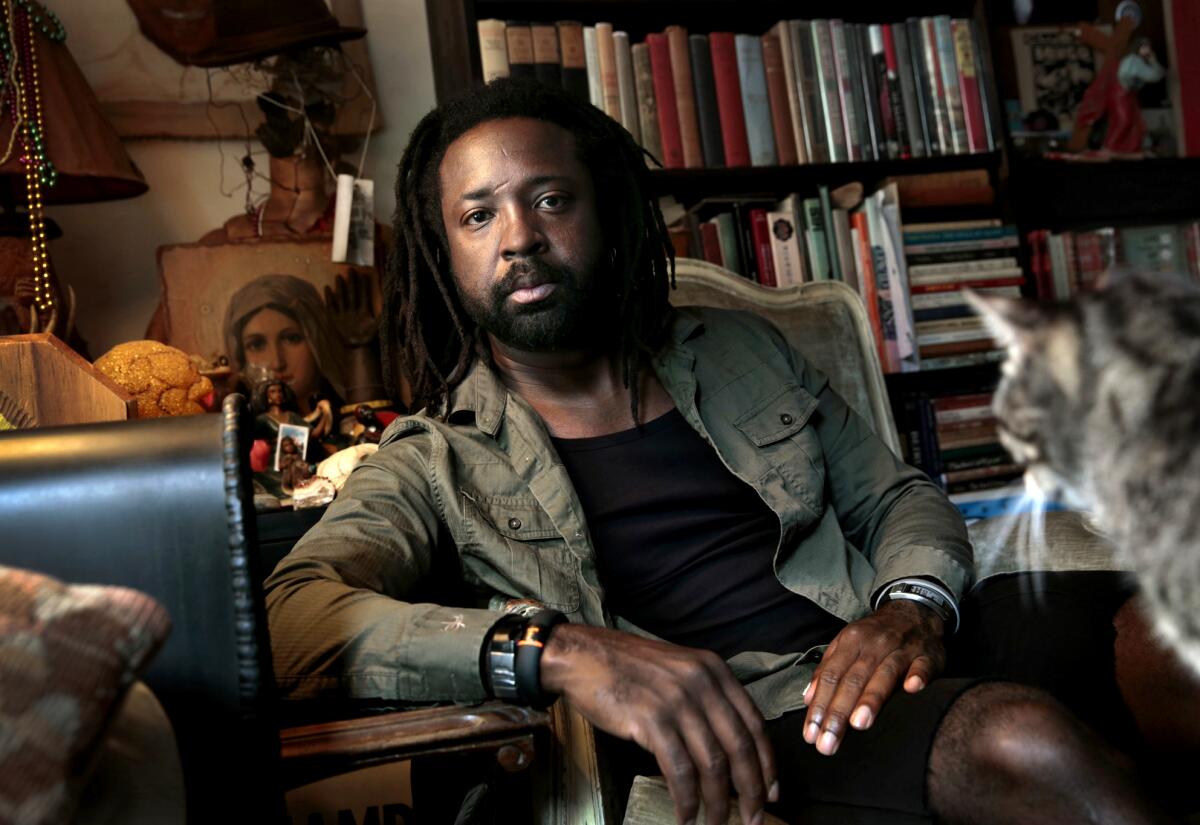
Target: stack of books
952	438
806	91
1065	264
943	260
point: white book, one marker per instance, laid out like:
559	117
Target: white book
591	55
954	297
953	336
964	266
883	208
1058	267
785	246
629	104
946	324
493	49
962	414
845	247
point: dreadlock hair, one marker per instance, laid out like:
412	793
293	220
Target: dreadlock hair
426	336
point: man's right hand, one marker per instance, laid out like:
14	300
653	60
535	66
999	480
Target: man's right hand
682	705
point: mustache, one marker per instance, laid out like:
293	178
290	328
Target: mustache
531	273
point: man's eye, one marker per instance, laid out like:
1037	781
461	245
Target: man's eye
552	201
477	217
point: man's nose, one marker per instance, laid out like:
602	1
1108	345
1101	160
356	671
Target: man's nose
522	235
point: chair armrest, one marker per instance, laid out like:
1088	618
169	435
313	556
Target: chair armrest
1064	541
317	751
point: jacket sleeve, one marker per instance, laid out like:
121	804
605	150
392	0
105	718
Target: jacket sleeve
899	519
340	606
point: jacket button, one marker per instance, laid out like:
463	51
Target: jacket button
514	523
786	419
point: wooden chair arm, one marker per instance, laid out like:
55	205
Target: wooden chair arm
312	752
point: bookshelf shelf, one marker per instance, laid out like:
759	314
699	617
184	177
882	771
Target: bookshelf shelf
1047	194
690	185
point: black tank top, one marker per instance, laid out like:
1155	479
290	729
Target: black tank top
684	547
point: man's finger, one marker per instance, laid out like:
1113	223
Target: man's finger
677	769
882	685
757	728
837	713
920	673
713	764
742	749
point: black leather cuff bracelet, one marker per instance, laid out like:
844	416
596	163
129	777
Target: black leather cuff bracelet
530	645
497	657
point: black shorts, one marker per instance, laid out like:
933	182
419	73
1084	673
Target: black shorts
1052	631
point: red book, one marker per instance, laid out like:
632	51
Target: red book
729	99
664	98
870	295
1039	262
968	84
711	241
1183	33
962	402
760	230
777	95
921	289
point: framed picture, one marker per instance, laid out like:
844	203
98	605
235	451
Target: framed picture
1053	70
298	446
251	301
144	93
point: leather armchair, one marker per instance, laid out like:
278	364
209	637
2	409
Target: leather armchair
162	506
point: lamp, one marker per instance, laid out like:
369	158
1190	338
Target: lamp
55	145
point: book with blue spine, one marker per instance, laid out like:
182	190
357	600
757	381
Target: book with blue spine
756	105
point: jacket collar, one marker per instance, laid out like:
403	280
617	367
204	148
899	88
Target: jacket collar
482	393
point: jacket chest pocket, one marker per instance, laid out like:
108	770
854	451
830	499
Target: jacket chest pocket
785	446
515	549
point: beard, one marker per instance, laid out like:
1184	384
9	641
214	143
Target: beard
568	319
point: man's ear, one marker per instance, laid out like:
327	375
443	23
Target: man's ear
1011	320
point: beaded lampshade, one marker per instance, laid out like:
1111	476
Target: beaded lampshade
55	145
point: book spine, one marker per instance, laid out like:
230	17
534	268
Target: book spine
591	56
968	83
976	233
841	232
664	97
992	117
951	277
518	38
813	131
1183	33
625	84
925	115
913	121
953	299
952	286
870	294
961	310
643	78
547	64
685	97
987	264
710	243
827	81
1009	242
761	233
949	68
931	74
607	54
969	359
493	50
1192	240
831	248
845	90
728	236
867	95
787	49
962	255
755	103
952	336
777	100
706	101
883	217
574	58
814	239
895	118
729	99
785	248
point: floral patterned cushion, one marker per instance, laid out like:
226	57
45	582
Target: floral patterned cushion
67	654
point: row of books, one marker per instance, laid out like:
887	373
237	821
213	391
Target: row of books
1066	263
911	276
807	91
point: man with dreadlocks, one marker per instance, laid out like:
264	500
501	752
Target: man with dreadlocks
680	484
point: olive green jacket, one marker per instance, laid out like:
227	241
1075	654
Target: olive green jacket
387	597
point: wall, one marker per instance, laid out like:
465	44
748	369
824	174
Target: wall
107	252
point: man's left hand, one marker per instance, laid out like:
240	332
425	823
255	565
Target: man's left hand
863	665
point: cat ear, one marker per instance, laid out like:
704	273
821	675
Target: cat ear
1010	320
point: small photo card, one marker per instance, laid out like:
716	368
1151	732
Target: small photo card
297	435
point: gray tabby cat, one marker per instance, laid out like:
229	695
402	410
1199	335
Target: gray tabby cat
1100	399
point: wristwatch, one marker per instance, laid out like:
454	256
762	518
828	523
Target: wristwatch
498	657
530	645
925	592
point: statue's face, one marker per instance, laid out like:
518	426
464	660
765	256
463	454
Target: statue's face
277	342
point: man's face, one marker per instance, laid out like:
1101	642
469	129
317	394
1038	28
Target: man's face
525	239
